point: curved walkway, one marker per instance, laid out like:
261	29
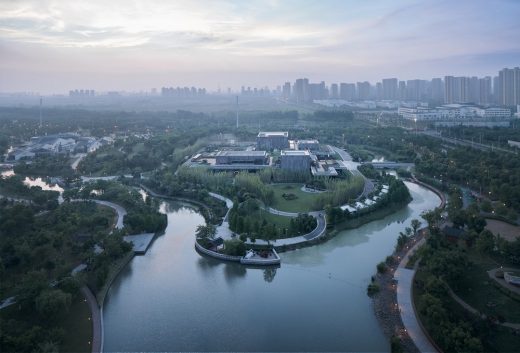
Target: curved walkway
97	318
121	212
501	281
405	278
352	167
225	233
478	313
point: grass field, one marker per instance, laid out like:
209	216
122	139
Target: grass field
478	290
279	221
303	202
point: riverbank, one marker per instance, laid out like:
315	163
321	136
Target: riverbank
202	208
393	304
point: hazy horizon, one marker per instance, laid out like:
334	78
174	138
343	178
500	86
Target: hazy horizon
54	46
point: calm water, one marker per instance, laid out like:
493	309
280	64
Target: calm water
173	299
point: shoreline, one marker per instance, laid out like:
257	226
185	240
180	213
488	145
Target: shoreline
384	302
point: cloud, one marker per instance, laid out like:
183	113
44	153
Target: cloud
345	38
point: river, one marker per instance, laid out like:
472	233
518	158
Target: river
173	299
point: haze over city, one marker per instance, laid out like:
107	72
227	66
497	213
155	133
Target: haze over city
53	46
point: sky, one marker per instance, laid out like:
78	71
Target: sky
52	46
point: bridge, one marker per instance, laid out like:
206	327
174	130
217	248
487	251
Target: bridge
390	165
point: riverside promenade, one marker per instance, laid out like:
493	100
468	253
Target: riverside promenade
97	320
404	286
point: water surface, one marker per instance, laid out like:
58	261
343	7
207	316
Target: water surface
173	299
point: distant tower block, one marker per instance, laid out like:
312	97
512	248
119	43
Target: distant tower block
237	112
41	113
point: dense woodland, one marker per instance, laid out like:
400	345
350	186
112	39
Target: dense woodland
38	250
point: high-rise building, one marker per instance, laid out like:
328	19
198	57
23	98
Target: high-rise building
379	91
301	90
286	91
484	90
334	91
363	90
474	90
495	90
509	86
416	90
389	88
456	89
402	90
347	91
449	89
437	89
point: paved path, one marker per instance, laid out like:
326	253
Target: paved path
352	167
121	212
404	278
501	281
78	159
225	233
476	312
97	320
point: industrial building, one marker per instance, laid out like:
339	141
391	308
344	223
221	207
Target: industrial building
298	161
272	140
453	112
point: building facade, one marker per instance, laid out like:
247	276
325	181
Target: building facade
272	140
297	161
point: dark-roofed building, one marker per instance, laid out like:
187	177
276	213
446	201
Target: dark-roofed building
242	157
272	140
298	161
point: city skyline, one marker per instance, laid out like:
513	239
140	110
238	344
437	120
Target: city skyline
54	46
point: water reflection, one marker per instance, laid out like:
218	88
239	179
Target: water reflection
269	274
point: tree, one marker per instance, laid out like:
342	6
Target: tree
206	231
485	242
234	247
433	218
52	302
416	224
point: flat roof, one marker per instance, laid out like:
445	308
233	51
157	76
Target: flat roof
308	141
294	153
273	133
242	153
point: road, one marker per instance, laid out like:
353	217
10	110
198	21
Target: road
475	145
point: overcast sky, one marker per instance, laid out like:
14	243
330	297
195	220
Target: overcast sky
51	46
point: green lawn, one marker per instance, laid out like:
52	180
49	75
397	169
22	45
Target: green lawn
279	221
303	202
477	289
